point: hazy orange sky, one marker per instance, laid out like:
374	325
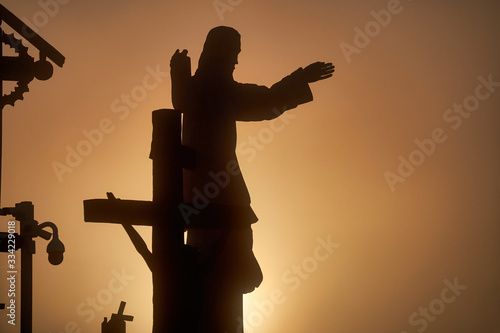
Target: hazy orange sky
394	164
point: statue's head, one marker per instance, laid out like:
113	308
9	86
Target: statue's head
220	51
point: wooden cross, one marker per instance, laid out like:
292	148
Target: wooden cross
173	264
165	259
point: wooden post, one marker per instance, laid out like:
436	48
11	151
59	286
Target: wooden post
168	232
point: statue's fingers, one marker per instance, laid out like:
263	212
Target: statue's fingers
329	70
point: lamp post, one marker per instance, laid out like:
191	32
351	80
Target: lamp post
23	69
30	229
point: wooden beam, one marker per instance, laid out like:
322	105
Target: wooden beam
119	211
136	212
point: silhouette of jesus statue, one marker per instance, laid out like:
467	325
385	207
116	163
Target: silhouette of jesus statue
211	103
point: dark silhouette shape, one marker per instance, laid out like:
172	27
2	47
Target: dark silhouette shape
173	264
117	323
30	229
212	102
23	69
198	286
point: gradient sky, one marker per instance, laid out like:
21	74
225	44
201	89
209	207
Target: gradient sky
323	176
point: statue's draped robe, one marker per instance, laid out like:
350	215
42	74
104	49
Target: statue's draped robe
211	107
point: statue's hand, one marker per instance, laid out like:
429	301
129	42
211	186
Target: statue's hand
318	71
179	58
